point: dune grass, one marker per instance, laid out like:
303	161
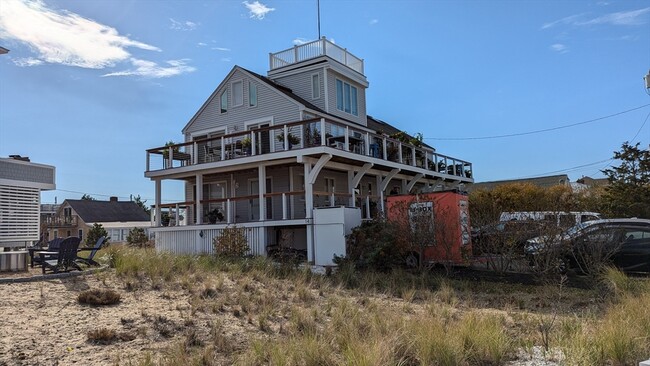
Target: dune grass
288	316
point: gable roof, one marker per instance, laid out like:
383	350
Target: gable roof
107	211
372	123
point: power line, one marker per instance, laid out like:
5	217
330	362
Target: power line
535	131
108	195
566	170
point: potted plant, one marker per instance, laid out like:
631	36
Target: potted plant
214	216
293	139
246	145
166	149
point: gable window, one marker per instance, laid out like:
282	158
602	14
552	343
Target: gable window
346	98
237	94
315	86
224	101
252	94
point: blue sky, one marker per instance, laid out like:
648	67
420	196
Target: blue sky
88	86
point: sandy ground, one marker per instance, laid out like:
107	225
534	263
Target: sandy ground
43	324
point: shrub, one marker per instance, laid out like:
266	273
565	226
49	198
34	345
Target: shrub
137	237
96	232
107	336
373	246
231	243
99	297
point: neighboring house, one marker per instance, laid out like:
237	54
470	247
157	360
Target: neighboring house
48	214
77	217
544	182
21	183
266	152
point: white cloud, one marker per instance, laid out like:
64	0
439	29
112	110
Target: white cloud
374	21
221	49
634	17
27	61
300	41
201	44
183	26
151	69
629	18
62	37
559	47
225	59
257	10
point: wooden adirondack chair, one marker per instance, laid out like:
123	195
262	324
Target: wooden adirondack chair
89	260
64	259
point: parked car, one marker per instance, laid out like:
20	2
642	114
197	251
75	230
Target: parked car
560	218
509	236
625	243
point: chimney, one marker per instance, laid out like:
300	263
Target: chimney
113	199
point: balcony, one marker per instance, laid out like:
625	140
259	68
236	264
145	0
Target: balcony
59	222
279	139
307	51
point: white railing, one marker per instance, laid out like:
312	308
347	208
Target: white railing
307	51
195	240
306	134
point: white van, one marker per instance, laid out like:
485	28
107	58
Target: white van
563	219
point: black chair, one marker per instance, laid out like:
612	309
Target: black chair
52	246
64	258
89	260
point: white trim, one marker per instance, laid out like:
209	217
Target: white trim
257	121
209	131
232	87
343	82
224	92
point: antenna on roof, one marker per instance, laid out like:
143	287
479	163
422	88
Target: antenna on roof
318	5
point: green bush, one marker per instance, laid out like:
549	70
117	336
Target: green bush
373	246
231	243
137	237
96	232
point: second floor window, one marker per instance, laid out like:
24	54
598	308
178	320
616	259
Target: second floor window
237	93
346	98
252	94
315	86
224	101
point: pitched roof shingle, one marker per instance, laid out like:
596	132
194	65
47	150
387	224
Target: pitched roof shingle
108	211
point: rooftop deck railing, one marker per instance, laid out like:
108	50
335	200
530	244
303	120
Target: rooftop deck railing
302	135
321	47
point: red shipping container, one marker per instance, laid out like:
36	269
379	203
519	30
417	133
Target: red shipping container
439	221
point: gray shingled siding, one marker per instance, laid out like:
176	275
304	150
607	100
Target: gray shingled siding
300	85
361	95
270	103
25	172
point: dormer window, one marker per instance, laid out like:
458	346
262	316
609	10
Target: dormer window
346	98
224	101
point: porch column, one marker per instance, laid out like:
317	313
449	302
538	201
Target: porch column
158	202
261	176
351	191
309	206
199	198
380	194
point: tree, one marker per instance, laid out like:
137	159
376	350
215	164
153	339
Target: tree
138	200
628	193
137	237
96	232
87	197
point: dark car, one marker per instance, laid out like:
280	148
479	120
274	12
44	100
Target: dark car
505	236
625	243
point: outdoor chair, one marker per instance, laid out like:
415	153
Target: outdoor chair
64	258
93	250
52	246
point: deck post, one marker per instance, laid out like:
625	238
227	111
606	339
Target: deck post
351	189
158	202
228	212
322	132
199	199
347	138
261	175
177	215
309	207
284	206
